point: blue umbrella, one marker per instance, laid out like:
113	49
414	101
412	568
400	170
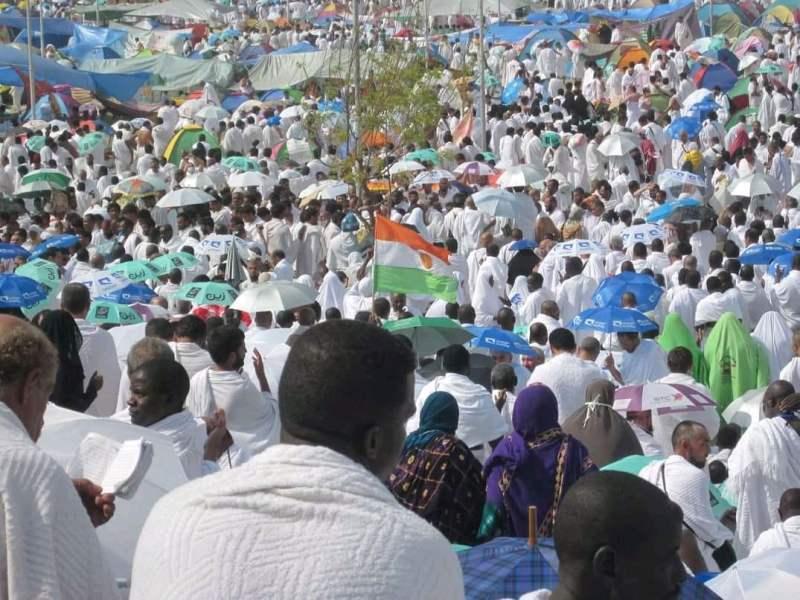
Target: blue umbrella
512	91
783	262
63	241
17	291
508	567
644	287
523	245
610	319
130	294
691	125
665	210
701	109
763	254
12	251
500	340
790	238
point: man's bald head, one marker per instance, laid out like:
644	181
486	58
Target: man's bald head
618	536
774	395
550	308
789	505
28	363
147	349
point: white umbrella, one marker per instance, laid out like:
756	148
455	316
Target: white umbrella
696	97
250	179
645	233
218	244
211	112
101	283
293	112
184	197
405	166
618	144
274	296
474	168
748	60
672	177
432	177
794	192
520	176
299	151
756	184
191	107
769	575
288	174
333	190
502	203
198	181
578	248
746	409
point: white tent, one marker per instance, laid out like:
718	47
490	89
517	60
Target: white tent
190	10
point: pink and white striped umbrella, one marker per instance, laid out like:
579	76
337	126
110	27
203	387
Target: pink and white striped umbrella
664	398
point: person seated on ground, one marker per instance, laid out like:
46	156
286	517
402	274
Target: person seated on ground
617	537
533	466
437	476
158	392
606	435
765	462
46	538
785	534
682	478
284	512
479	423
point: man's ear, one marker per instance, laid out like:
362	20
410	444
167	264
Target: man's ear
604	562
372	442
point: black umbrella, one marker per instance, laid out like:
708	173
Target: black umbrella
522	263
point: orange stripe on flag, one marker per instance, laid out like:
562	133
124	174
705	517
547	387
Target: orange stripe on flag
389	231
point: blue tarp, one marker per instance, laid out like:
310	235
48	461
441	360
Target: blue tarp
509	32
95	42
122	87
232	102
634	15
251	55
297	49
56	31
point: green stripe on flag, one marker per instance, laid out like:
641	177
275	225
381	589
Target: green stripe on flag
406	280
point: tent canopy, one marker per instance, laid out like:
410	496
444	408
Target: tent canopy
172	72
190	10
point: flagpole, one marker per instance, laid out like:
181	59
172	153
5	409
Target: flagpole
41	28
32	81
482	63
357	92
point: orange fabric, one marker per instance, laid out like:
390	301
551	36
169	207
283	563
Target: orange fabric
389	231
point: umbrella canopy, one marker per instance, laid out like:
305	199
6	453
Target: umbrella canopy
183	141
662	397
17	291
665	210
500	340
103	312
508	567
474	168
130	294
424	155
550	139
175	260
717	75
689	125
578	248
102	283
428	335
769	575
240	163
250	179
432	177
691	213
520	176
644	233
502	203
643	287
211	112
405	166
35	143
200	181
672	177
64	241
209	292
36	189
42	271
135	270
51	176
782	262
217	244
610	319
756	184
12	251
184	197
89	142
618	144
763	254
137	186
274	296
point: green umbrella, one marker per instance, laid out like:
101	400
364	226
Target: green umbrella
135	270
745	112
183	141
740	88
429	334
293	94
770	70
36	189
210	292
175	260
35	143
241	163
551	139
424	155
41	271
51	176
488	155
90	141
111	313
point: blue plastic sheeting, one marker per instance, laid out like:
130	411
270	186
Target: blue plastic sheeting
635	15
251	55
273	96
95	42
122	87
232	102
56	31
83	52
297	49
49	38
562	18
548	34
508	32
9	76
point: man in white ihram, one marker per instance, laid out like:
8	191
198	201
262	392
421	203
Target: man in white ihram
310	517
785	534
47	546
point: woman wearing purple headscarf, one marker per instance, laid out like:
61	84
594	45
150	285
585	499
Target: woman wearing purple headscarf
533	466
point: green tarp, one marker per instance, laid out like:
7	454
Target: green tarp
169	72
275	72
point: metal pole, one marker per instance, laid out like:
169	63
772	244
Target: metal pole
427	33
482	77
357	92
711	18
41	30
31	80
97	12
